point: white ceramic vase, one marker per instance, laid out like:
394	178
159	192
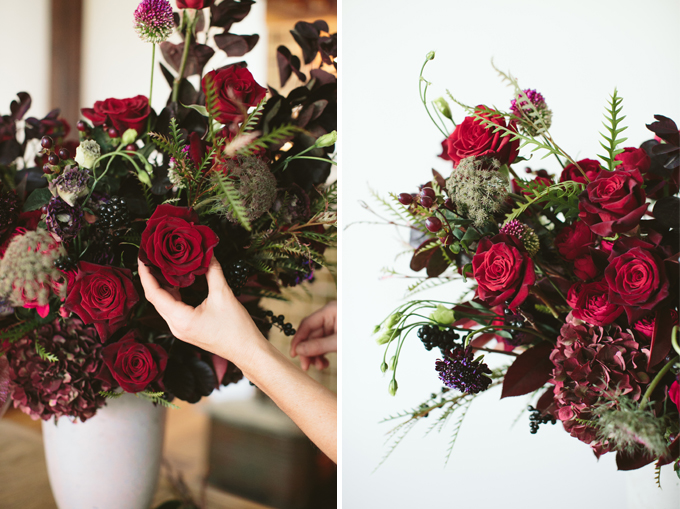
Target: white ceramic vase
110	461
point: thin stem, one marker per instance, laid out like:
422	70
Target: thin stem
153	63
551	281
491	350
657	379
423	97
538	293
185	55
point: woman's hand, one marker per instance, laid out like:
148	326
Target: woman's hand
220	324
316	336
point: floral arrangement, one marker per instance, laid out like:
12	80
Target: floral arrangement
573	278
229	169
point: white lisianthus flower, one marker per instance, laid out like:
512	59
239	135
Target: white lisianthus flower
87	153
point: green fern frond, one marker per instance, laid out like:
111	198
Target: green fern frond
44	354
424	285
211	101
253	118
612	139
657	475
456	429
170	201
563	196
276	136
111	394
157	398
18	331
227	191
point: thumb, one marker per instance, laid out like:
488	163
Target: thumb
215	277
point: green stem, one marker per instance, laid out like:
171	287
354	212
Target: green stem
423	97
185	56
674	339
153	63
657	379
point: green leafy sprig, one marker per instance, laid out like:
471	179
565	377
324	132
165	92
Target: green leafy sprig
612	139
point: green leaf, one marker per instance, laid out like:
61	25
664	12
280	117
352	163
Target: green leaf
37	199
201	109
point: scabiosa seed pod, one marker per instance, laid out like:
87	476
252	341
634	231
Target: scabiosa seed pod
153	21
27	273
458	370
524	233
44	389
62	220
534	113
70	185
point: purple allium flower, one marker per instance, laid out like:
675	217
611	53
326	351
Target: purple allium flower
524	233
534	120
458	370
536	99
62	220
153	20
70	185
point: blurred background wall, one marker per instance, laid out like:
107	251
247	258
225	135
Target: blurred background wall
574	53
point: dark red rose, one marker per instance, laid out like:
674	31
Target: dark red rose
133	365
123	114
193	4
177	245
236	91
575	240
590	302
472	139
636	277
503	270
445	151
614	202
645	325
590	167
585	268
634	159
102	296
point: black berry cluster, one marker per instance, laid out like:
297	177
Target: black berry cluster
279	321
434	337
536	419
114	215
65	263
237	274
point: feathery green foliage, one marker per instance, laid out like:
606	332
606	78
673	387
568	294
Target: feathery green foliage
19	330
253	118
226	190
156	398
612	139
44	354
275	136
111	394
561	197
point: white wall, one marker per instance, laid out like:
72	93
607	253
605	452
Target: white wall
574	53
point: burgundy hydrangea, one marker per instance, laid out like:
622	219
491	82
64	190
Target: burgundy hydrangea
459	370
589	361
67	387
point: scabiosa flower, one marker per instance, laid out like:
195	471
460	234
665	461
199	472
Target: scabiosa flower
71	184
255	183
535	115
28	276
524	233
62	220
153	20
458	370
477	188
67	387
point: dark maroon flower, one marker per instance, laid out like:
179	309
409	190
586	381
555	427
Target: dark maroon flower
503	270
634	159
131	364
102	296
590	167
193	4
585	268
614	202
121	114
63	221
636	277
236	91
590	302
472	139
176	245
575	240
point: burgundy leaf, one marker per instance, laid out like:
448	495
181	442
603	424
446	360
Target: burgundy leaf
672	454
236	45
439	179
530	371
288	64
321	25
199	54
665	129
228	12
633	461
545	401
661	337
311	112
422	255
307	37
323	77
437	263
20	108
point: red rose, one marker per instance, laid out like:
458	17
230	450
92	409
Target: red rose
614	202
193	4
236	91
585	268
645	325
591	303
636	277
634	159
590	167
177	245
575	240
103	296
503	270
472	139
674	393
123	114
132	364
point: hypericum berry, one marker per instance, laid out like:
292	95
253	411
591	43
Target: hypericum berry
53	159
447	240
46	142
47	169
433	337
426	201
434	224
64	153
81	126
131	147
405	199
113	132
428	191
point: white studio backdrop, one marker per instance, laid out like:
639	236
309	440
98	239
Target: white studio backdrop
574	53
